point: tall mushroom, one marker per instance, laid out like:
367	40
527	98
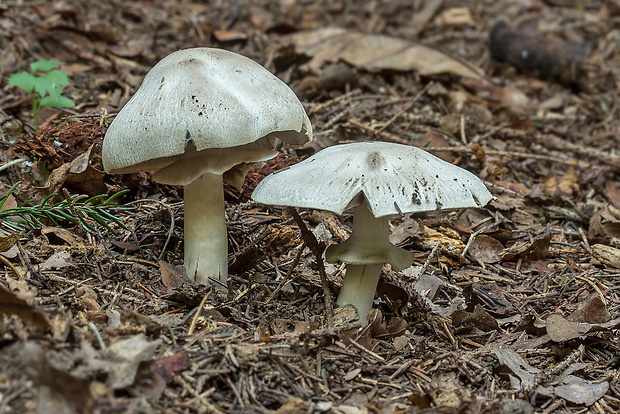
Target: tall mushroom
376	179
201	117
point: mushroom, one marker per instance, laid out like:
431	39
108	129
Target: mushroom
376	179
203	117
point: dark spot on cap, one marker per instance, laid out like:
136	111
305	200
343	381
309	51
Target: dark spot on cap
373	160
415	198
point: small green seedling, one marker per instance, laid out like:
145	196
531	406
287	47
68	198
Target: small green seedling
45	89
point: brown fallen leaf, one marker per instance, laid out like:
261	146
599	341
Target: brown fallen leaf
59	391
59	236
572	388
464	321
561	329
121	359
373	52
485	249
77	173
169	366
591	310
580	391
11	304
534	249
564	186
172	276
605	224
612	192
7	242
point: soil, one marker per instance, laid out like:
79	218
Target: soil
509	308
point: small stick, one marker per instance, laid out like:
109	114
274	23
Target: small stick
93	328
546	376
334	101
318	249
289	272
366	350
407	108
581	164
192	327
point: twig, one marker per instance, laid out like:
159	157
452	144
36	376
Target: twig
192	327
11	266
546	376
206	404
318	249
172	220
289	272
334	101
93	328
406	109
576	163
366	350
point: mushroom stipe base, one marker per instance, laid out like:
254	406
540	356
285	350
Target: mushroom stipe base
206	237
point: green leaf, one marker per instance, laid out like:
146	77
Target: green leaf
57	102
23	80
43	65
51	83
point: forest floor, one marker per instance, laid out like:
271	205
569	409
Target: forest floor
511	308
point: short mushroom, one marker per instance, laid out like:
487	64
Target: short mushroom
376	179
201	117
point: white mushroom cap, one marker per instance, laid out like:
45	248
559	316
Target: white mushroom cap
393	179
211	98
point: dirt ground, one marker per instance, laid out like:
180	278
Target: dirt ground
512	308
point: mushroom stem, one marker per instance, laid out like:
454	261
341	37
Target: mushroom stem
206	239
358	287
360	280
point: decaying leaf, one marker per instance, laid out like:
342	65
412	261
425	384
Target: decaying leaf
561	329
395	297
172	276
605	224
612	192
377	52
11	304
572	388
169	366
464	321
485	249
59	391
524	373
566	185
120	360
591	310
488	294
427	288
580	391
79	174
59	236
534	249
58	260
7	242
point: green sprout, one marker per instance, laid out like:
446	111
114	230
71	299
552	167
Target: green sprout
87	211
44	89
